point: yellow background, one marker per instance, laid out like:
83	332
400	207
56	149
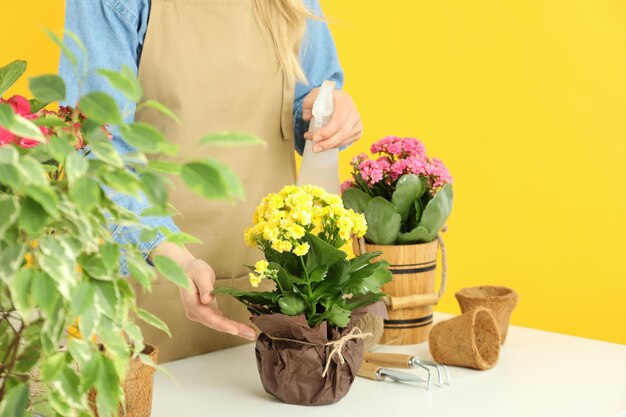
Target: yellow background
525	101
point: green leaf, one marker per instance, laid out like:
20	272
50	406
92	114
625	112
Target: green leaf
362	261
32	216
229	138
291	304
180	238
47	87
10	73
360	300
332	285
52	366
83	296
11	258
60	148
121	181
160	108
34	172
96	268
124	81
172	271
46	197
105	151
153	320
107	386
64	48
100	108
8	154
89	373
383	222
254	297
76	167
319	274
143	136
154	188
338	317
86	193
164	167
368	279
20	289
355	199
205	179
15	401
373	283
106	297
408	189
9	212
321	253
44	291
437	211
37	105
140	271
418	234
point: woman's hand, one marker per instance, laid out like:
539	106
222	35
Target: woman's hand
345	126
200	305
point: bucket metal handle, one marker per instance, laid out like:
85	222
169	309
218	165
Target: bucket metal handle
418	300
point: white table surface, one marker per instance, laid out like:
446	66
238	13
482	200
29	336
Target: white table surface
539	374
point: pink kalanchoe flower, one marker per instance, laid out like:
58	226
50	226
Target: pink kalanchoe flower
346	185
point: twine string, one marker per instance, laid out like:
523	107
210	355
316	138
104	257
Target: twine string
354	334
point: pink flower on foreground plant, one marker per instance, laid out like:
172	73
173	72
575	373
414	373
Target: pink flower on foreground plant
21	107
72	118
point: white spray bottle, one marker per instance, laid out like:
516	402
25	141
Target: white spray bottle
321	169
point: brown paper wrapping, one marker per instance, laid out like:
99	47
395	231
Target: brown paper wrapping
292	372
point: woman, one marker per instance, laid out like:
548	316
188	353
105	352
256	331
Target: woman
220	65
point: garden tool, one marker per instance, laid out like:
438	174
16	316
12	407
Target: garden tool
400	360
377	373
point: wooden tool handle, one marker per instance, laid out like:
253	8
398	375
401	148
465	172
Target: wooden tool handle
391	360
368	370
413	301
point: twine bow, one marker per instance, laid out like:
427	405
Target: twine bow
354	334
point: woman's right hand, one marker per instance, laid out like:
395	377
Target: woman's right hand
199	302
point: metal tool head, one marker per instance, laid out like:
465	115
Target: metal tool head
441	369
402	376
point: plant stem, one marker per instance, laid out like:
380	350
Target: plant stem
308	284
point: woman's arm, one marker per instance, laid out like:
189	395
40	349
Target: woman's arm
320	62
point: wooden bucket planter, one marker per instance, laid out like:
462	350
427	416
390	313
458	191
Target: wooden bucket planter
411	295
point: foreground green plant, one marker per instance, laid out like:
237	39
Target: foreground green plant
59	266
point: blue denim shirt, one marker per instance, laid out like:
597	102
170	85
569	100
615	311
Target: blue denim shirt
113	32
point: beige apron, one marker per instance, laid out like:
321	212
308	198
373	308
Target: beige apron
209	61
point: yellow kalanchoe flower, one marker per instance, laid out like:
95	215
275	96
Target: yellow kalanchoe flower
302	249
281	220
261	266
255	280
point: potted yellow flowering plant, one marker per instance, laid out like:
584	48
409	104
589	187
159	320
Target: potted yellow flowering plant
307	321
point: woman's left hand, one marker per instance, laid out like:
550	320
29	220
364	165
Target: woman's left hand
345	126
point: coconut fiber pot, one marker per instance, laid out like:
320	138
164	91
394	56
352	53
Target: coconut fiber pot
137	387
471	340
309	366
500	300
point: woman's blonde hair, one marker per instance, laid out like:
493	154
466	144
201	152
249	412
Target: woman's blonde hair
285	21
